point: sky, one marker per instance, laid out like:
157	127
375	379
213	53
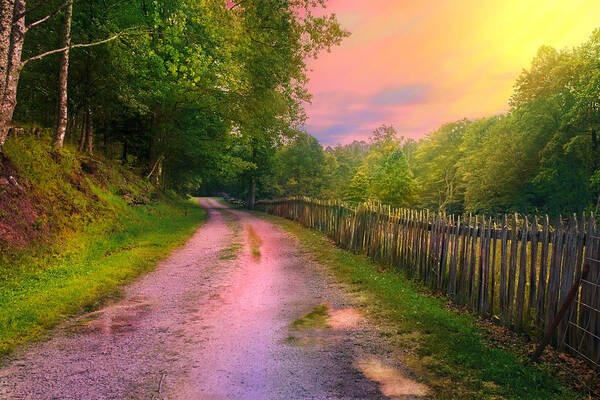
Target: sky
419	64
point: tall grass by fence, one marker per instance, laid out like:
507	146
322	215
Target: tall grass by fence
519	269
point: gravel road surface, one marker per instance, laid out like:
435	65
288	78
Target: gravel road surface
215	321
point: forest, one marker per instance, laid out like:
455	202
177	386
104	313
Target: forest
542	156
177	90
207	97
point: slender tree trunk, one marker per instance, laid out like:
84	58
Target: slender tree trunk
252	194
83	132
12	67
89	137
252	188
63	79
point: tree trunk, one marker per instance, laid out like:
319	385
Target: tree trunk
89	136
12	68
83	132
252	194
63	79
6	17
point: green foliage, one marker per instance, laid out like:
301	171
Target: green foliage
392	181
358	189
437	170
299	168
197	94
384	174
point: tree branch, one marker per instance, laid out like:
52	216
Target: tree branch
47	17
74	46
155	165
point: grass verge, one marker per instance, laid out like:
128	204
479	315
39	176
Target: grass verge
41	287
444	348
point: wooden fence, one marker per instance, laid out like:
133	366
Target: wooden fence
516	268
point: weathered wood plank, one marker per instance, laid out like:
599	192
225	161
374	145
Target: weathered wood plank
522	282
542	278
493	270
504	270
512	271
554	275
533	265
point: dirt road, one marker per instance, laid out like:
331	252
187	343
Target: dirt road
216	321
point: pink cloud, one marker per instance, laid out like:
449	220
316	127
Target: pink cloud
417	65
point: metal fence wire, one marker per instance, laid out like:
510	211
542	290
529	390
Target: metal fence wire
580	335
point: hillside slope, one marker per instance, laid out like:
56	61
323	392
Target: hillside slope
72	230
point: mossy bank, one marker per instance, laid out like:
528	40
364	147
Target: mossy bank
73	230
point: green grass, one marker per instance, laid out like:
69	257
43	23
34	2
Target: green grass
50	285
254	241
317	318
94	240
444	348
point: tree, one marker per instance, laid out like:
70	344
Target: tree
63	76
384	174
357	191
276	37
392	182
436	168
299	168
12	38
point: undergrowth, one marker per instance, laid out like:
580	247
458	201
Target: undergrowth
102	227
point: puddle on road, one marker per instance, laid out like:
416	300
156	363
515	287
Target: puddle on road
323	324
345	318
394	383
120	318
